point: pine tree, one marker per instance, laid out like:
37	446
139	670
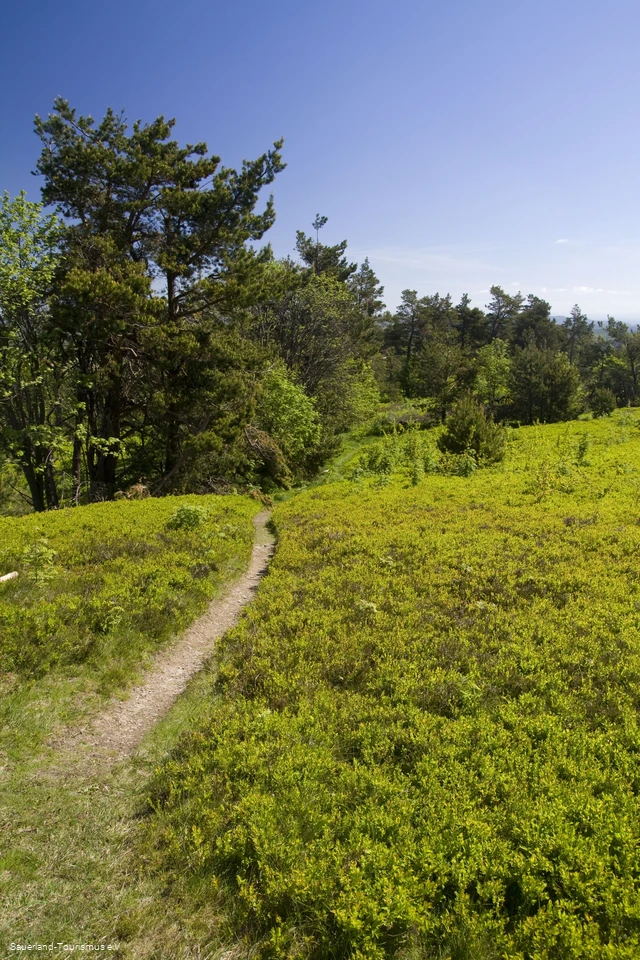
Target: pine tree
502	311
367	290
578	332
319	258
143	208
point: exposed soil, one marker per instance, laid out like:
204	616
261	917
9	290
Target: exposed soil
120	728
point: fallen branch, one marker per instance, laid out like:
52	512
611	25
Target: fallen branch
9	576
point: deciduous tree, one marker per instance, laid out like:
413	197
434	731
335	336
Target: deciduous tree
32	378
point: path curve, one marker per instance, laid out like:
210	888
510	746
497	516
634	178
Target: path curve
119	729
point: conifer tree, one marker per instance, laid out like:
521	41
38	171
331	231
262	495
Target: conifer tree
143	209
367	289
319	258
578	332
502	311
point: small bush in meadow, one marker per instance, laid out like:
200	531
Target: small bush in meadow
39	559
468	429
602	402
187	517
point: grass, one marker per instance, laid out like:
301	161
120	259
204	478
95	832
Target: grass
112	584
69	870
422	742
100	590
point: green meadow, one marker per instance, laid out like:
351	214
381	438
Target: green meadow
420	742
424	741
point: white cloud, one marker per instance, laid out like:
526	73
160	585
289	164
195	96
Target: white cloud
561	240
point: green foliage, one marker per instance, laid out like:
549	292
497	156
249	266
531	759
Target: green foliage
533	325
286	412
545	386
493	373
314	327
152	365
187	517
33	376
579	335
408	453
417	460
266	458
469	431
350	398
38	558
403	415
319	258
502	312
363	394
28	254
584	443
462	464
424	741
109	583
367	290
602	402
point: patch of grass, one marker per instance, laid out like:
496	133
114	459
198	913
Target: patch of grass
109	582
68	870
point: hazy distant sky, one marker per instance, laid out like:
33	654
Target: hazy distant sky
456	143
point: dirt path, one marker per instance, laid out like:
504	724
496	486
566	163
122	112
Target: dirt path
120	728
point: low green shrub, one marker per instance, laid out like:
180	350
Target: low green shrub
408	452
425	740
113	581
602	402
468	430
187	517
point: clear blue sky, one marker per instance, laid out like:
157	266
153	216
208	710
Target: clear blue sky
456	143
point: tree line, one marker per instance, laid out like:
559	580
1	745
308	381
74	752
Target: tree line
513	357
147	336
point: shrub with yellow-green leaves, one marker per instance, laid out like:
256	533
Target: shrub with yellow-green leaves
112	581
425	739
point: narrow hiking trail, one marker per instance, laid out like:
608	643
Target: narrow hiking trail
120	728
71	870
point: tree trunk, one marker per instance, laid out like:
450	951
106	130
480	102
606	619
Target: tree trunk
36	486
104	465
51	491
76	469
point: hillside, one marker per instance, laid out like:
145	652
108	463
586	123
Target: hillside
421	742
424	743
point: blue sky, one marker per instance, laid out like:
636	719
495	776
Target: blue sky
458	144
